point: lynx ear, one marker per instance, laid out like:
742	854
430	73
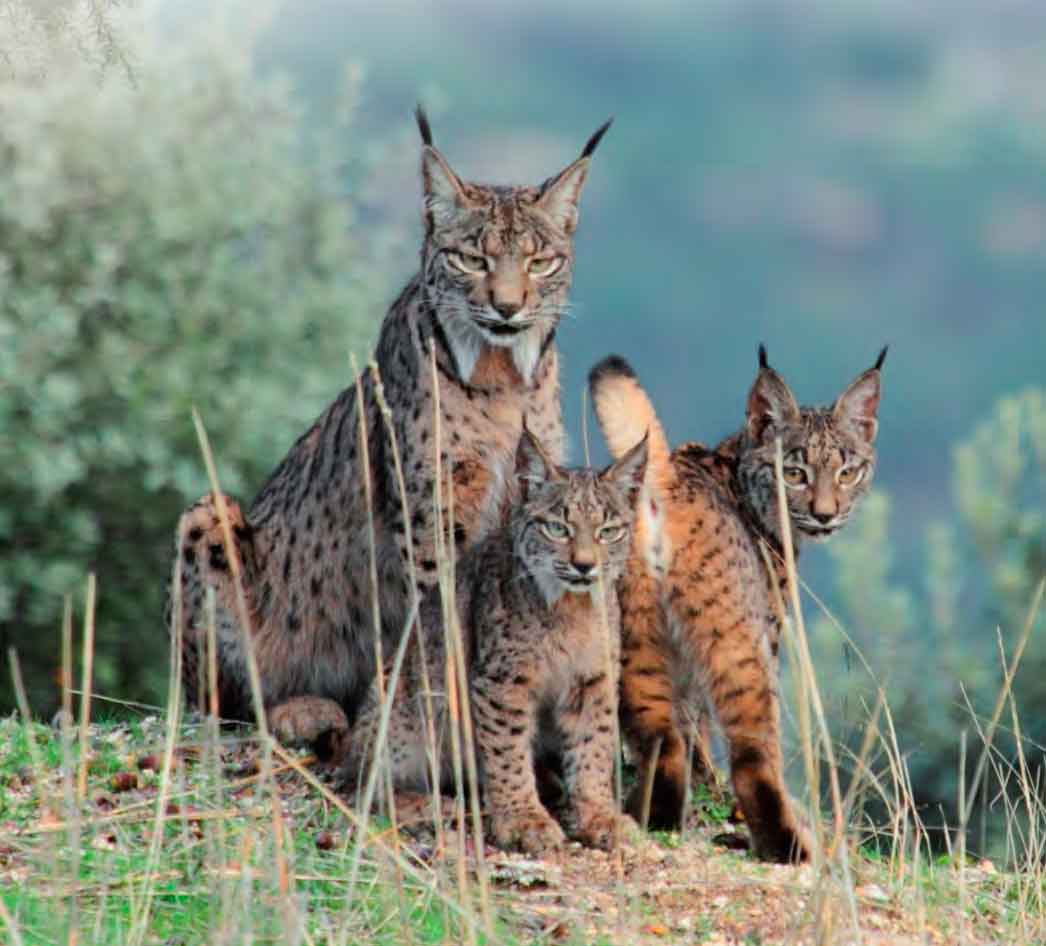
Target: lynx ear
560	194
442	190
533	465
770	402
858	405
627	474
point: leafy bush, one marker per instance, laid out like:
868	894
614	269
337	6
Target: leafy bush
176	241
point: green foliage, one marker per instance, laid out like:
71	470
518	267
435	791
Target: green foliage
936	646
180	241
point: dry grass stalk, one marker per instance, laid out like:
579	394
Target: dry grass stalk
452	640
795	632
85	686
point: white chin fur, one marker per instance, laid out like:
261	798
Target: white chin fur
467	340
550	586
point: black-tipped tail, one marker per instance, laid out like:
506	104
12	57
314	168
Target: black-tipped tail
613	366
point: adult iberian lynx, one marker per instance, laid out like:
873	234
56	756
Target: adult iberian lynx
496	267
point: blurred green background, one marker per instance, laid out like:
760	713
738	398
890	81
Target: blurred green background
217	211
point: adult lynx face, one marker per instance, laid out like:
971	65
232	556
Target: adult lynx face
829	453
498	261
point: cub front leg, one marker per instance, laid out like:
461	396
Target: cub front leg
504	727
588	723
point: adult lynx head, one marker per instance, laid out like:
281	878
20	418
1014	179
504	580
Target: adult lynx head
573	527
497	261
829	453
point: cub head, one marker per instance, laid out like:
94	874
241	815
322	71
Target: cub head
829	452
573	527
498	261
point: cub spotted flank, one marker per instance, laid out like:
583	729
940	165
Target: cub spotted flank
542	653
496	267
699	621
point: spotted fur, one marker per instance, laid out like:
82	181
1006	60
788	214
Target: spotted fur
699	622
542	651
496	266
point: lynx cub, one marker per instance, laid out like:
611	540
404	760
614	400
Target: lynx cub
496	266
542	653
697	603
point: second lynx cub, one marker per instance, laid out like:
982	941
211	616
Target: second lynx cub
699	621
542	653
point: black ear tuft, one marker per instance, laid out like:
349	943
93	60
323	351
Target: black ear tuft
613	366
593	142
763	361
423	125
882	357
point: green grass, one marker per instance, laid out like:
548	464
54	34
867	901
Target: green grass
83	868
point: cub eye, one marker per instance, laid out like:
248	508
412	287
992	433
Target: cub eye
557	531
795	476
544	265
610	534
466	262
850	475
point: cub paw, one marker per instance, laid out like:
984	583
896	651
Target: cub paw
311	720
787	842
532	832
666	804
605	829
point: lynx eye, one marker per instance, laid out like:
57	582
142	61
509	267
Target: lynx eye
557	531
466	262
609	534
544	265
850	475
795	476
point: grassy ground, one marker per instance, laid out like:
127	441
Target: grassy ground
209	850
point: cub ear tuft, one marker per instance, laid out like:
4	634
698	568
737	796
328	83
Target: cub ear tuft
858	406
629	472
533	464
770	401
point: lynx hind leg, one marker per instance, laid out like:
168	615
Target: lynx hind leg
648	711
203	564
743	691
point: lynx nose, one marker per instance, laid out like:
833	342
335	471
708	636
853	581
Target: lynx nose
584	568
507	308
824	517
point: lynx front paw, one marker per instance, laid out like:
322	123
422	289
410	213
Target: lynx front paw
605	829
313	720
533	832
